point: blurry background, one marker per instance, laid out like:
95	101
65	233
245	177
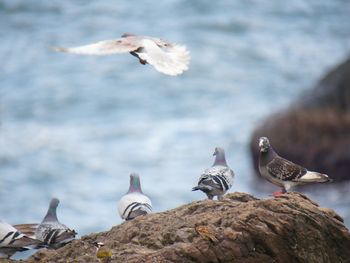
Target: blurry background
74	127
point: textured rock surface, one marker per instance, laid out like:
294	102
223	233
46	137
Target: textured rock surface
240	228
315	131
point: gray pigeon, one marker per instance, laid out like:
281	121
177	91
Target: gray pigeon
12	241
168	58
216	180
134	203
50	231
282	172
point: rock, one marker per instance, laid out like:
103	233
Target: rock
239	229
332	91
315	131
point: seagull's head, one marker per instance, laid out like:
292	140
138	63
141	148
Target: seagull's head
264	144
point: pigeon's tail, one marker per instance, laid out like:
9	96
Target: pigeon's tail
204	188
195	188
314	177
136	213
139	210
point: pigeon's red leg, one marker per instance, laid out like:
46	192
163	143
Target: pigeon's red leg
277	194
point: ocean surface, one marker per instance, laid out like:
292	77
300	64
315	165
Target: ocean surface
75	127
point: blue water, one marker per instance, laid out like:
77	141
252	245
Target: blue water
74	127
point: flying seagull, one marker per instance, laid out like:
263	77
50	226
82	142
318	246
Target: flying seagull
134	203
216	180
50	231
282	172
168	58
12	241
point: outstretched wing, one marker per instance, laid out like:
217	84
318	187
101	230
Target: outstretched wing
107	47
285	170
170	59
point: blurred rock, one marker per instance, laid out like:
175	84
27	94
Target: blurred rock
333	91
240	228
315	131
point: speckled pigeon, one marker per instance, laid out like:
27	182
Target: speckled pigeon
282	172
168	58
50	231
216	180
134	203
12	241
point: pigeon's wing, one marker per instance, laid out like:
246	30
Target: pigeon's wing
132	202
107	47
218	177
11	237
54	234
285	170
27	229
171	60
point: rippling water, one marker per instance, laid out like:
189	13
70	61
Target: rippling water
75	127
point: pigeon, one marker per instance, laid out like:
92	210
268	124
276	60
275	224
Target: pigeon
216	180
50	231
282	172
168	58
12	241
134	203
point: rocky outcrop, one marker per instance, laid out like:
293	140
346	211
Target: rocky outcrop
240	228
315	131
332	91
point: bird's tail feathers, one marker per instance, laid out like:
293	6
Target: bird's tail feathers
141	211
204	188
315	177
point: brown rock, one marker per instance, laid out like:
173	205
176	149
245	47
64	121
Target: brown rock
287	229
332	91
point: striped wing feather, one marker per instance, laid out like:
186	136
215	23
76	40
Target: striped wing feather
12	238
133	204
54	234
219	177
